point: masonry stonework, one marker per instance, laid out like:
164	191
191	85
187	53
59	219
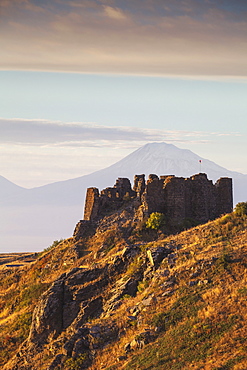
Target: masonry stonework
178	198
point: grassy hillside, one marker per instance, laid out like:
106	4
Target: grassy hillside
188	310
20	288
199	323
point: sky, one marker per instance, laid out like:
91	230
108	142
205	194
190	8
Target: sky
84	83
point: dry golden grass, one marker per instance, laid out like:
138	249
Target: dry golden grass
223	300
213	313
7	317
20	289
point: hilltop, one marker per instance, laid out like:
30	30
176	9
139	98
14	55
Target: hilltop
130	298
33	218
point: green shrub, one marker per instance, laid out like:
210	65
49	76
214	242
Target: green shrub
134	267
142	285
224	260
225	219
241	209
126	296
242	291
53	245
155	221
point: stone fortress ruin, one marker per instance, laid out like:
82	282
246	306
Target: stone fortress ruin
178	198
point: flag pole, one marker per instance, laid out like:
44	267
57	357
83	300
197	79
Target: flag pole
200	161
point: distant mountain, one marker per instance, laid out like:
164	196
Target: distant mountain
158	158
9	189
31	218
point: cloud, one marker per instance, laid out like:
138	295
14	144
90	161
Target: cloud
188	38
54	133
114	13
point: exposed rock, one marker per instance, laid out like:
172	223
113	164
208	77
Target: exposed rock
167	293
157	254
192	283
56	362
140	341
122	287
167	284
77	341
127	348
134	310
90	310
148	301
131	251
121	358
203	282
136	344
132	318
48	315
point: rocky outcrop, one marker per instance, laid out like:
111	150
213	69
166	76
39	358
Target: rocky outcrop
61	320
48	315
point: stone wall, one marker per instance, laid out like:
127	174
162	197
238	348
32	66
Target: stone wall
92	204
108	200
178	198
224	195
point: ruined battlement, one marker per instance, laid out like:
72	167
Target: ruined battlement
178	198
